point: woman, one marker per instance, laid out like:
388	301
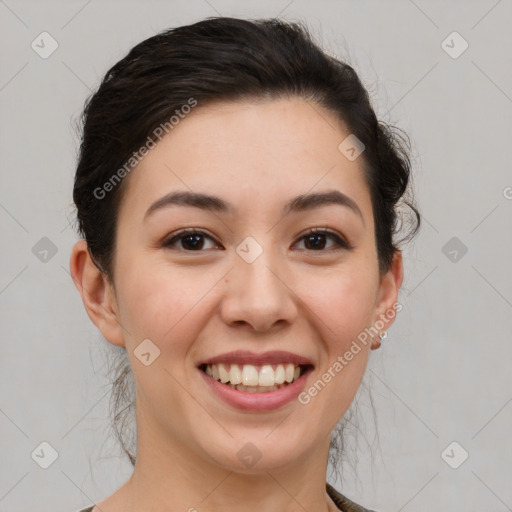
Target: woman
237	199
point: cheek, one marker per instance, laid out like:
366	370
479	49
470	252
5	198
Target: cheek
342	308
164	306
343	302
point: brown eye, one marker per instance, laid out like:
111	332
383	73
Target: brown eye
191	240
315	240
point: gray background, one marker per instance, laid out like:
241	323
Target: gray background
442	375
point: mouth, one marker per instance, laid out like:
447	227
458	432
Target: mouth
254	378
253	382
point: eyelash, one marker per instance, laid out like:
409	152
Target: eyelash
340	242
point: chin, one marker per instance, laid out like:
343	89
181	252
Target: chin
253	455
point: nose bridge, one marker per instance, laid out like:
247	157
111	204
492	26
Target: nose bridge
256	293
260	274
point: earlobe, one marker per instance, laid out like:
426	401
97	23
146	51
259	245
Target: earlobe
97	293
387	302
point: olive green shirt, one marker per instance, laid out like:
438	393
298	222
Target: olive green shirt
342	502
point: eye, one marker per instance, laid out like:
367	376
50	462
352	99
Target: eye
316	240
192	240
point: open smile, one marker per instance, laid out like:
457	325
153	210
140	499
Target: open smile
257	382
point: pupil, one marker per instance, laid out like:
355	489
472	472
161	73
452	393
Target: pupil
195	241
315	237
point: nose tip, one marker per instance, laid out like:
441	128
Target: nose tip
256	295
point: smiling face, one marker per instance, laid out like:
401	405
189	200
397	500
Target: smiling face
247	276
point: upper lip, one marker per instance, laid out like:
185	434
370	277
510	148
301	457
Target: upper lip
247	357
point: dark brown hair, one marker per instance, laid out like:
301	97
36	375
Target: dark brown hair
223	59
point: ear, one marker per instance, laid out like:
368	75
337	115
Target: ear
97	293
387	300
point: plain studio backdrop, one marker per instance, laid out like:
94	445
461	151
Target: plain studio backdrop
441	383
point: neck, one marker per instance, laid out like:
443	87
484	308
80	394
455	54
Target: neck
175	478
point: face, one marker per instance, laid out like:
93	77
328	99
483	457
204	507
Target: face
246	281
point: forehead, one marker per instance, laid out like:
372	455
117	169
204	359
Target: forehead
250	153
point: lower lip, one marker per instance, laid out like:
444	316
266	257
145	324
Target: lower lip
264	401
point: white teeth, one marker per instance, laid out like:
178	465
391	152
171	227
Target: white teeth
235	374
289	372
279	375
223	374
249	375
266	376
251	378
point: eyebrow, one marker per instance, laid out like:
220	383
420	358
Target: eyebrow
300	203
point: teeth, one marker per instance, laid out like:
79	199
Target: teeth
249	375
235	375
255	389
251	378
223	374
266	376
279	374
289	372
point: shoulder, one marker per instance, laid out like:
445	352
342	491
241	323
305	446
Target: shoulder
343	503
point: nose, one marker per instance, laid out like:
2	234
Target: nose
258	294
